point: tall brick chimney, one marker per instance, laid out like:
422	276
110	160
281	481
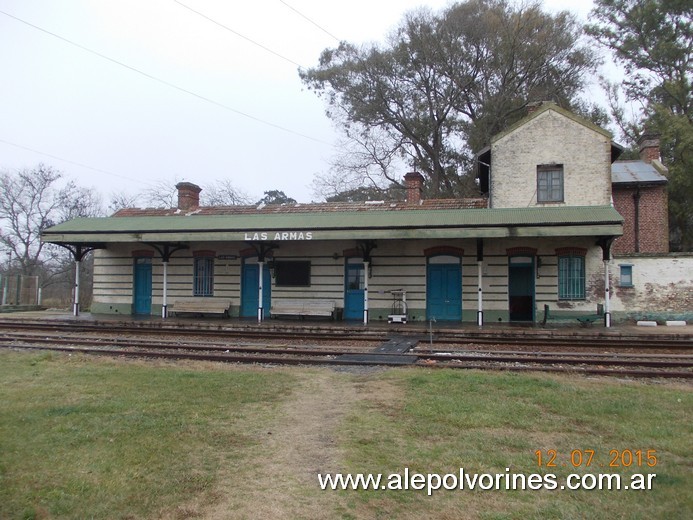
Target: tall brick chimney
414	184
188	195
649	147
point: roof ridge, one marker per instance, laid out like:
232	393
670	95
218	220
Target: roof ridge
313	207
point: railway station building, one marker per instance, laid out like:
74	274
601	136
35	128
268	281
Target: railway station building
541	233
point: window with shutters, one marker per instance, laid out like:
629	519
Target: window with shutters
550	183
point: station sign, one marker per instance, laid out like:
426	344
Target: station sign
277	235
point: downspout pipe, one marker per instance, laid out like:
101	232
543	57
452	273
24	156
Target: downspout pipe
636	218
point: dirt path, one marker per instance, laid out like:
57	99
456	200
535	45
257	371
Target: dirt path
301	443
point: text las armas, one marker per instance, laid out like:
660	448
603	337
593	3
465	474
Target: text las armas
279	235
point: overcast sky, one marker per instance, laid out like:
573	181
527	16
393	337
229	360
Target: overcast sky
173	95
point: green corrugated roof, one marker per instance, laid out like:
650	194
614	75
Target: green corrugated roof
333	225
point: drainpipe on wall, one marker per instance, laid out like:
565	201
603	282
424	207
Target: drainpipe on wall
636	218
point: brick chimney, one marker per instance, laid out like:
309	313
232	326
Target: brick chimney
649	147
188	195
414	184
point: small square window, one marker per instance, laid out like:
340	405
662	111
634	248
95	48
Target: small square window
626	276
550	183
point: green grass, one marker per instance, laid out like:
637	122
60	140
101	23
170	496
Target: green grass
485	423
95	438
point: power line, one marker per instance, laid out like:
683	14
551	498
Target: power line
238	34
75	163
311	21
164	82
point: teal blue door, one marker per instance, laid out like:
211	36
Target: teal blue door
444	292
142	286
521	289
354	284
250	288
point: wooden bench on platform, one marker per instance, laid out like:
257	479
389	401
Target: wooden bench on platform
303	308
585	321
201	306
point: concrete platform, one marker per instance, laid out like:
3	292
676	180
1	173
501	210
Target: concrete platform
411	328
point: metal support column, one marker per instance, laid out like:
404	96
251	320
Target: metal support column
166	250
607	296
605	244
164	302
480	266
365	293
79	251
75	306
260	289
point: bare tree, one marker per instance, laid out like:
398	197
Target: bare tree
123	200
33	201
223	193
162	195
365	161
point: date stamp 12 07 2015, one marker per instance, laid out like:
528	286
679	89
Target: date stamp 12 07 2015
585	458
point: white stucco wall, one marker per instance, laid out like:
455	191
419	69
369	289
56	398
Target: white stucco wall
662	286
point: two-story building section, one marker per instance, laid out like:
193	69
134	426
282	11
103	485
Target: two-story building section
540	235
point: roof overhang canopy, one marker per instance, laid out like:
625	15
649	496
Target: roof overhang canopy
359	225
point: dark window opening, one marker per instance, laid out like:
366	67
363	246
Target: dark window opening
292	273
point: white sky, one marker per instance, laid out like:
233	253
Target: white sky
75	107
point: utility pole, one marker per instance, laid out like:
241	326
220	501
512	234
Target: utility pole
7	278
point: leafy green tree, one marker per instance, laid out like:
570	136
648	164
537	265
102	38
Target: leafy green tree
653	41
444	83
276	197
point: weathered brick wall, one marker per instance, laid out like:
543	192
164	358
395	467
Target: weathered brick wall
549	138
653	232
624	204
662	286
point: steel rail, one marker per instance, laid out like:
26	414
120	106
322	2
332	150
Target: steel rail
338	333
296	357
466	355
573	360
663	361
99	343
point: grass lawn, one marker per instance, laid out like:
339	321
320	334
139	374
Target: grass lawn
98	438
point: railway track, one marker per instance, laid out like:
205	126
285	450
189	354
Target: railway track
670	359
330	333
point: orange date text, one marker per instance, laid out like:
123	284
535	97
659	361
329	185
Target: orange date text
585	458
